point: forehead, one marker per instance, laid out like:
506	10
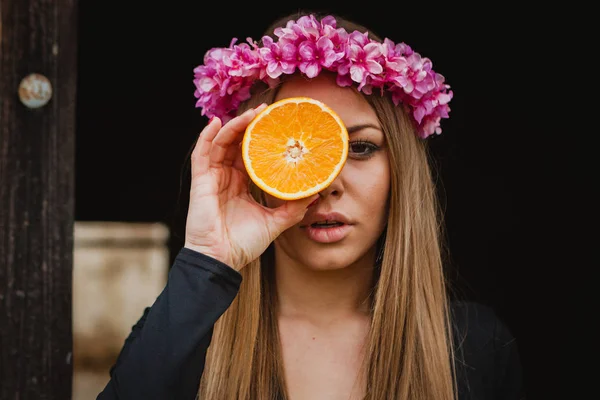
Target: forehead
352	108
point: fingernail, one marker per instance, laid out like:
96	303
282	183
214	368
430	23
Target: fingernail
259	106
211	120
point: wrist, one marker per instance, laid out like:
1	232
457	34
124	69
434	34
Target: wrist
209	253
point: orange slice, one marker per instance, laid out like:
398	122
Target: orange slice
295	148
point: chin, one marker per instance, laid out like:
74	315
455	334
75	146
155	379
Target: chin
328	259
322	257
317	263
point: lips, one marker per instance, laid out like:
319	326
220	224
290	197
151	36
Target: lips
324	219
326	227
326	224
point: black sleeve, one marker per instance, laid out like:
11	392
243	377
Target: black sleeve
487	358
163	357
509	380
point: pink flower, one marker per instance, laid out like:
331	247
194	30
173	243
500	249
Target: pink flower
416	78
286	34
224	80
280	58
242	60
308	27
364	61
314	56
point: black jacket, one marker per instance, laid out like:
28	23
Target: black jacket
163	357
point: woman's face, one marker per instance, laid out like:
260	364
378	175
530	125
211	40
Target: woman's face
356	202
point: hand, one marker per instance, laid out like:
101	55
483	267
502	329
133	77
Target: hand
224	221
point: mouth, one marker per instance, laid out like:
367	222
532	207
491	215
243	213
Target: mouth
325	224
327	231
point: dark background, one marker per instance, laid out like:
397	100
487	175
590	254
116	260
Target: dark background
136	121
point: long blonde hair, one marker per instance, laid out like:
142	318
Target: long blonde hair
409	345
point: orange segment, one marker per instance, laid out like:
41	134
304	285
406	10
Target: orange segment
295	148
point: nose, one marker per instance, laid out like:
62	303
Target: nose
335	189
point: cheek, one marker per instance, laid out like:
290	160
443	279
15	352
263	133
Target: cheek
371	187
371	181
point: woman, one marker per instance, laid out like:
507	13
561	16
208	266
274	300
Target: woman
291	310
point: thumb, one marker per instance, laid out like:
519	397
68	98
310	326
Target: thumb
290	213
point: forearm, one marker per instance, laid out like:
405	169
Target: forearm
165	356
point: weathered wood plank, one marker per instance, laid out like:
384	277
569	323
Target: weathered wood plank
37	158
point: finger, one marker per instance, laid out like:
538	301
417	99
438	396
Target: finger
228	135
238	162
290	213
260	108
227	139
234	151
234	154
200	155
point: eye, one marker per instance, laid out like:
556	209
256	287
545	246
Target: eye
362	149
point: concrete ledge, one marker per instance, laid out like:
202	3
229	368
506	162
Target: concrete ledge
119	269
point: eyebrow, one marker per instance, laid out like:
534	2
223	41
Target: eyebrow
357	128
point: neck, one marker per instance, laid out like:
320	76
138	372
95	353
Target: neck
323	296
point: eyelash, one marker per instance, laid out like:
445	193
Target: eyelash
371	148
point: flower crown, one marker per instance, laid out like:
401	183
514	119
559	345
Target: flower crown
310	46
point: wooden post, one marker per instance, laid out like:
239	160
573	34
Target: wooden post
37	157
